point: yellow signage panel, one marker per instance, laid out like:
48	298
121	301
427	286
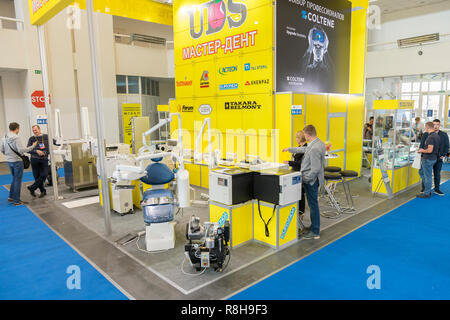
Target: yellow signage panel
393	104
223	48
43	10
129	111
144	10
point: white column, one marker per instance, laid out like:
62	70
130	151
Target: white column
99	118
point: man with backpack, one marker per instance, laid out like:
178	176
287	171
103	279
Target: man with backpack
14	151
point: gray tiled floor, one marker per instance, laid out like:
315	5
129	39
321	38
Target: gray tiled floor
132	273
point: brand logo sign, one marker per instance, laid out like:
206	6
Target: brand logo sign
287	224
242	105
229	86
223	219
204	80
257	82
249	67
205	109
217	13
184	108
184	83
226	70
296	110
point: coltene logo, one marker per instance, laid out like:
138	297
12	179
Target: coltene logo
242	105
216	11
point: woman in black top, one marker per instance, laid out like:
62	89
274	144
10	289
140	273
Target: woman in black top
296	166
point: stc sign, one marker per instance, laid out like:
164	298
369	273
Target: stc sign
37	99
216	13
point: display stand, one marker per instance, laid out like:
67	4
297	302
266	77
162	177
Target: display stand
392	148
240	217
282	228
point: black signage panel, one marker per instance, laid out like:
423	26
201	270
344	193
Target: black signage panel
313	46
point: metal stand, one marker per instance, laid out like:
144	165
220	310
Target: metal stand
333	203
379	155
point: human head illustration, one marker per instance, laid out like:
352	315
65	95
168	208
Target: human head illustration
318	43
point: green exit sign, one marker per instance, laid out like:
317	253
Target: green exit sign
37	71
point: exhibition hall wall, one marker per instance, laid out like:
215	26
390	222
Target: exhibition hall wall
386	59
69	67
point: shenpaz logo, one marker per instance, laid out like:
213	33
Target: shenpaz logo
204	80
257	82
242	105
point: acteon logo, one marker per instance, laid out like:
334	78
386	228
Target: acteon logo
216	16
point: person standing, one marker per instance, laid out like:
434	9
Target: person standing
430	153
443	150
12	147
418	129
368	129
296	165
312	169
39	161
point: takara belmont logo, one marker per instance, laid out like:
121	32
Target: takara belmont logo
226	70
257	82
204	80
216	11
184	108
228	86
249	67
242	105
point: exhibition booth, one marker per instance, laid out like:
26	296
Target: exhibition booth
248	76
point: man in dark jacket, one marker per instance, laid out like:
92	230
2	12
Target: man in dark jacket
39	161
443	151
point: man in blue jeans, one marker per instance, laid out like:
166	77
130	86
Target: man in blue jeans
443	150
11	147
430	154
312	169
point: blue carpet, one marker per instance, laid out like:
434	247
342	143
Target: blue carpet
34	261
411	246
6	179
446	167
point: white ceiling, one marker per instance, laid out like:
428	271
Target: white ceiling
388	6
